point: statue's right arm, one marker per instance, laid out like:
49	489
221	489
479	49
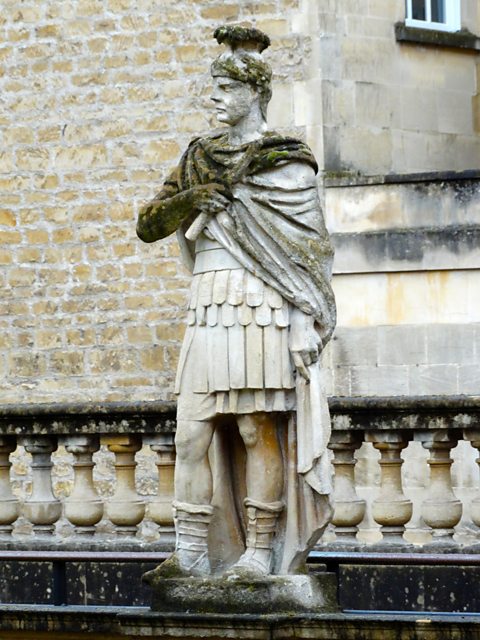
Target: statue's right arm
165	213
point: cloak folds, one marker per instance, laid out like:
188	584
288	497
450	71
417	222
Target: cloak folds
274	228
271	216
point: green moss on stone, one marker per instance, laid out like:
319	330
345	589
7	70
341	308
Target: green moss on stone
274	156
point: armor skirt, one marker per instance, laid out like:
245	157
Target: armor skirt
235	356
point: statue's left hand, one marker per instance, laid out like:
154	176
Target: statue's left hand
304	342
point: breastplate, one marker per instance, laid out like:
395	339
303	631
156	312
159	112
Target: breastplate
211	256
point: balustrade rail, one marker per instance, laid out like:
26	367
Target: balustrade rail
388	425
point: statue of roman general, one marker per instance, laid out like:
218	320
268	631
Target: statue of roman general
252	475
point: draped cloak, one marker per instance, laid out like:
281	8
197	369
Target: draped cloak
276	232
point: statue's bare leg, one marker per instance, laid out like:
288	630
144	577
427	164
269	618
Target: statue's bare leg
264	458
264	491
193	494
193	476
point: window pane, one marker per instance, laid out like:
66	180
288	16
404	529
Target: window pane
418	10
438	10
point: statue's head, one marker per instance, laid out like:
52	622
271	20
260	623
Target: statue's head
241	77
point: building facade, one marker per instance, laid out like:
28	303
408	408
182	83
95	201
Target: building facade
99	99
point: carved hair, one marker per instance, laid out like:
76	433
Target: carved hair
244	61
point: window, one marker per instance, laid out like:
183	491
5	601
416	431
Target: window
441	15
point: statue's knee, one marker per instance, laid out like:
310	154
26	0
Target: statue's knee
249	432
191	441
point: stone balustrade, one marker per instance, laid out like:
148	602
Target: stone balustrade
396	428
84	432
387	429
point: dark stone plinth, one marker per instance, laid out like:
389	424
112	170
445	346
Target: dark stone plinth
28	582
269	595
107	583
410	588
74	583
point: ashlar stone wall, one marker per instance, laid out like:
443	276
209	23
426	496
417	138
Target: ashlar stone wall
400	140
391	106
99	98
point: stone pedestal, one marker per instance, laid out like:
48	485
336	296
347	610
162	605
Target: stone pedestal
316	593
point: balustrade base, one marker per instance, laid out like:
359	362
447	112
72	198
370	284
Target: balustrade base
65	623
394	536
74	582
85	531
399	546
345	534
84	543
126	532
389	581
43	530
442	535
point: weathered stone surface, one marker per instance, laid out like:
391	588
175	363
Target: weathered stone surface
26	582
400	298
82	285
457	247
68	623
107	583
409	588
269	595
402	202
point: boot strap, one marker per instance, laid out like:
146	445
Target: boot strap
252	541
269	507
193	509
192	546
181	517
188	529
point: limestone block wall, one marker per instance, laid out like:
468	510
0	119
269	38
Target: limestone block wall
399	123
392	106
98	99
407	284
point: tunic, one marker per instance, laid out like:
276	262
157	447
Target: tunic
235	356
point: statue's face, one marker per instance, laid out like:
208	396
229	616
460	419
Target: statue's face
233	99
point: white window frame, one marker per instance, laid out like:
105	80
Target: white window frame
452	17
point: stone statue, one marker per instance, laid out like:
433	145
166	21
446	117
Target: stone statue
252	476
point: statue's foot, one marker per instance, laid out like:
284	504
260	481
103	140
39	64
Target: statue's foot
181	564
254	563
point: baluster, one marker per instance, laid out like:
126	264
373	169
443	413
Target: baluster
391	508
349	509
9	507
42	509
160	507
83	507
125	508
441	510
473	435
